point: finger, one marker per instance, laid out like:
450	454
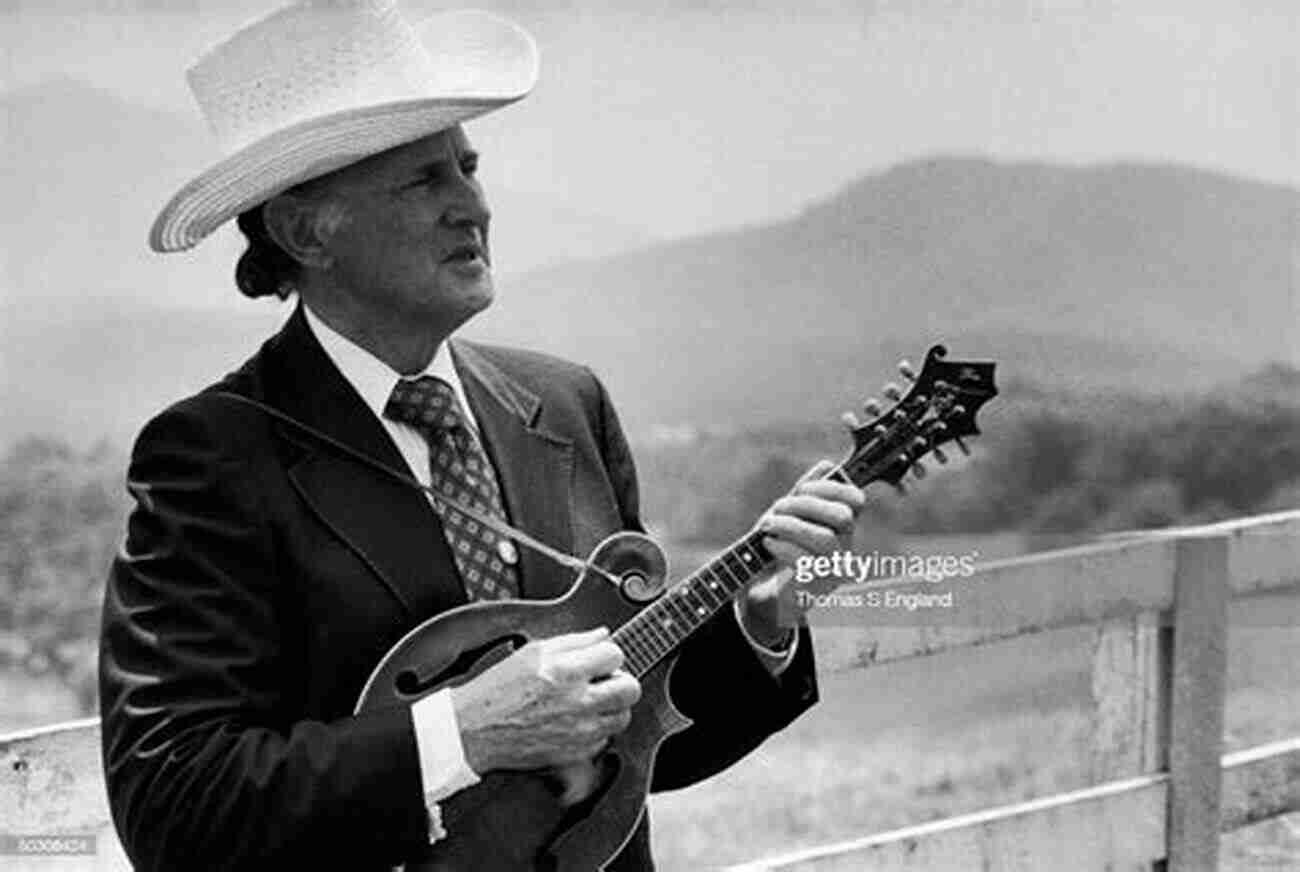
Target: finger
814	510
594	749
816	471
581	754
832	489
601	659
613	724
570	641
785	553
809	537
618	692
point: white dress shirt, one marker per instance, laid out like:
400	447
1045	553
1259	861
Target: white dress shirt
443	769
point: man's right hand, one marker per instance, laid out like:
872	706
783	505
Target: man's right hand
553	702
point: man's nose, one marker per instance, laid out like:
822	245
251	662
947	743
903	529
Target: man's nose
469	208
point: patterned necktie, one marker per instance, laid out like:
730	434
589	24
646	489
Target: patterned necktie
459	470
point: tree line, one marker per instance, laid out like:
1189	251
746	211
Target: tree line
1058	466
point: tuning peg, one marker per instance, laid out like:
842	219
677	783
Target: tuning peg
918	469
939	455
849	420
920	443
880	430
905	369
898	486
936	426
872	407
962	446
892	391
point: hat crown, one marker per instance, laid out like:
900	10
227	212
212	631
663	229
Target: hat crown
319	85
307	60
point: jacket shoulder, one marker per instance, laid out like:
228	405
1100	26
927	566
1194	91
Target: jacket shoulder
527	365
210	415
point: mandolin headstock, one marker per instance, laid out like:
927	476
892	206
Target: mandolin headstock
939	408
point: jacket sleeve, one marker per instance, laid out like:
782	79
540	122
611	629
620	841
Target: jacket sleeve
719	681
204	766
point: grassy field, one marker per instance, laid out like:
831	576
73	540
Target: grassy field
909	742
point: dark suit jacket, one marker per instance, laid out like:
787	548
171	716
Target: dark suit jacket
264	575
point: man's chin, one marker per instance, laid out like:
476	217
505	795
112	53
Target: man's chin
467	295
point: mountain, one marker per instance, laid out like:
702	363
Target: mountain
1143	277
1135	276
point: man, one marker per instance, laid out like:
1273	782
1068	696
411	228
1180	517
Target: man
272	557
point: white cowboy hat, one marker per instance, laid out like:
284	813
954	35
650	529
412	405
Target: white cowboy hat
319	85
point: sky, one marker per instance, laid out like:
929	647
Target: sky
676	118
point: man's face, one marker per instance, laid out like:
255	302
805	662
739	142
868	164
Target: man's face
413	240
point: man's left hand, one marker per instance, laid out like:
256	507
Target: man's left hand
816	518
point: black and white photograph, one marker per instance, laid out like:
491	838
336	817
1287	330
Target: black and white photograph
562	436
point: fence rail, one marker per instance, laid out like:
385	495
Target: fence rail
1163	789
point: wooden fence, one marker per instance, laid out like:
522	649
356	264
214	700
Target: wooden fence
1163	790
1163	793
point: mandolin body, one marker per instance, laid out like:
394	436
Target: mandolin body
523	820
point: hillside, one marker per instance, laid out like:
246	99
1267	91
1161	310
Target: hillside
1147	277
1153	278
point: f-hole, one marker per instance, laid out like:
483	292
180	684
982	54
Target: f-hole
420	679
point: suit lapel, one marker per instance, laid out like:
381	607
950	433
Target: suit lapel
534	467
389	525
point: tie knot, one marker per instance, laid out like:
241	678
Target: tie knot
426	403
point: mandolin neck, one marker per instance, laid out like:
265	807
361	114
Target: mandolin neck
666	623
662	626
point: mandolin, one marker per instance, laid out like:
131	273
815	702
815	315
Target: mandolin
579	818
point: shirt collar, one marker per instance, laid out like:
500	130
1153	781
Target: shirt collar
373	379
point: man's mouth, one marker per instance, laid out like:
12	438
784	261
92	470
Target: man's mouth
466	253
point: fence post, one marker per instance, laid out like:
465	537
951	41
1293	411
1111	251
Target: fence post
1130	693
1200	617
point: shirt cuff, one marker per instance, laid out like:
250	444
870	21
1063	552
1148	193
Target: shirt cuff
443	768
777	660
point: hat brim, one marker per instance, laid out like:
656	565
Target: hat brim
311	148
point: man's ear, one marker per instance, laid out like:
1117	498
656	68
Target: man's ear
302	226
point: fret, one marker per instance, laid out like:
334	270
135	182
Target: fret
657	643
643	630
632	645
754	551
700	610
699	595
737	566
732	581
638	665
669	617
653	625
670	603
713	588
